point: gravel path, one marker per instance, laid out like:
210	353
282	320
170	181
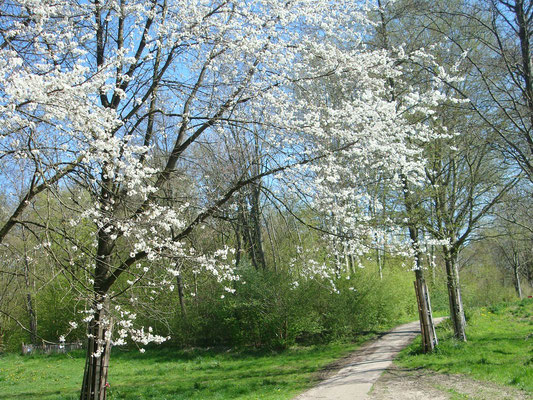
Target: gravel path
421	384
363	368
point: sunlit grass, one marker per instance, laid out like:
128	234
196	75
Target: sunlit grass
167	373
499	347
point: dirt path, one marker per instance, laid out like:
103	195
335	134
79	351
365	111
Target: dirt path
420	384
363	368
368	374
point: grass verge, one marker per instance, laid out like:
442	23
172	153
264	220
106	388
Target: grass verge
499	347
166	373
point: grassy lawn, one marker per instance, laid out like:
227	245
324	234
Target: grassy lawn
499	347
167	373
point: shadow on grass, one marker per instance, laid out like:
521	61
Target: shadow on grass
42	394
223	383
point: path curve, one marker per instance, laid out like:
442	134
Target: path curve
365	366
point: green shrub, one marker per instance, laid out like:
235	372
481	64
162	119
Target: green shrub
268	309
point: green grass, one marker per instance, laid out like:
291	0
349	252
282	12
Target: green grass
167	373
499	347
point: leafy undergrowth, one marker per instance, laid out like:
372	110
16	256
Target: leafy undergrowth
499	347
166	373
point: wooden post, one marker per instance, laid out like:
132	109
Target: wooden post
96	367
427	327
434	338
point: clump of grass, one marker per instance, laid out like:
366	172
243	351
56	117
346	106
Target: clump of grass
499	347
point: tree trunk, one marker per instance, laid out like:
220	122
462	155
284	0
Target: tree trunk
238	251
337	258
251	233
430	260
457	314
257	237
517	286
529	272
272	247
427	326
180	295
433	266
97	360
32	316
351	264
380	262
195	290
30	308
100	328
527	67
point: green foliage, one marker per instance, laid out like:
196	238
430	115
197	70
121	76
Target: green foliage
270	309
499	347
482	285
14	337
55	309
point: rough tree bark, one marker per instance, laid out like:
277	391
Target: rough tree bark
179	283
516	274
249	219
457	314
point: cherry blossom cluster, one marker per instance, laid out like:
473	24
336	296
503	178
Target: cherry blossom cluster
126	119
